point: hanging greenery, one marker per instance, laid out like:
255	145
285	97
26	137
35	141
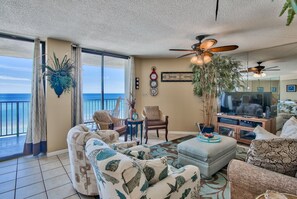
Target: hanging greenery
60	75
221	74
291	7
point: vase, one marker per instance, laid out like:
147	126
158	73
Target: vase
132	111
58	90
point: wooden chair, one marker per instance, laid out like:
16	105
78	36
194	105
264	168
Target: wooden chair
105	121
154	119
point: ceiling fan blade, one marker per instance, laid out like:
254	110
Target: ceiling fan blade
181	50
208	43
271	67
185	55
271	70
208	53
253	69
223	48
243	71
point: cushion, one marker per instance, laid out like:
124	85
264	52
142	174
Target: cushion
262	134
152	112
156	123
278	154
137	152
155	170
103	116
290	128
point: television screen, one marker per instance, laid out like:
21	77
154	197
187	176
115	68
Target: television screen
245	103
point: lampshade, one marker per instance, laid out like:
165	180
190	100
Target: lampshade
201	59
259	75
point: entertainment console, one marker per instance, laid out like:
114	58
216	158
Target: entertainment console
241	128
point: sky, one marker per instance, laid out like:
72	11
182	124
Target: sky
16	75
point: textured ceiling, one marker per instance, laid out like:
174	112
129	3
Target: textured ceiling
149	28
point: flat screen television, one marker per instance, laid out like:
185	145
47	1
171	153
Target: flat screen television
245	103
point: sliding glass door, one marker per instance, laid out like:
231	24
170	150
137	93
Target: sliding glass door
103	79
91	76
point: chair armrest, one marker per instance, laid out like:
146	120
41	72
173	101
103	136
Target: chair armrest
249	181
118	121
104	125
163	117
127	144
178	181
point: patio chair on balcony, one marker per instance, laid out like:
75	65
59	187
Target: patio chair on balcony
105	121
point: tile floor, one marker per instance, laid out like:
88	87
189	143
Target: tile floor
46	177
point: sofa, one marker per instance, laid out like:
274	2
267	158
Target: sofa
119	176
82	175
271	164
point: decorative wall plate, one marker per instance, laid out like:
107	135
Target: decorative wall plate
154	84
154	91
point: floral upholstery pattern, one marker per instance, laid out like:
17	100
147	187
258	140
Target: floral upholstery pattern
277	155
82	175
119	176
155	170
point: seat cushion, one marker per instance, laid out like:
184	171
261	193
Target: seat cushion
206	152
155	123
152	112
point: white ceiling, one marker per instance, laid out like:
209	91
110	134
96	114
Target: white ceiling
149	28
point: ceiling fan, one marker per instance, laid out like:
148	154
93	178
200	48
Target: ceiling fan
203	50
259	70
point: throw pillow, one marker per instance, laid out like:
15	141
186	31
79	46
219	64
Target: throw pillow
290	128
262	133
289	132
155	170
152	112
277	155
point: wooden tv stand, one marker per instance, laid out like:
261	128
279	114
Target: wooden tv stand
241	128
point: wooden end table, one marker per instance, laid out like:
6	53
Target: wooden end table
133	124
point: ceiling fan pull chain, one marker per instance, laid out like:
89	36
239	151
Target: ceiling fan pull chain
217	9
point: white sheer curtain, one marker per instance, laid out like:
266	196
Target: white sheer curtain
129	82
77	99
36	135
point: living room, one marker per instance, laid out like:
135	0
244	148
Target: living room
119	46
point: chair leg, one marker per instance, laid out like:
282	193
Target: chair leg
166	134
146	136
157	133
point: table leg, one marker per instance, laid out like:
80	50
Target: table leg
131	131
126	133
141	133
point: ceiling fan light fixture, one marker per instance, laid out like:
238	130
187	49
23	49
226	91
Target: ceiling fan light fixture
200	59
259	75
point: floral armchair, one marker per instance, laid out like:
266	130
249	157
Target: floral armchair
82	175
119	176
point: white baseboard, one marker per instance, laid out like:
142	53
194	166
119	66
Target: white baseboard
57	152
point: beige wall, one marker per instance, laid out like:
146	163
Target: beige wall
175	99
287	95
58	109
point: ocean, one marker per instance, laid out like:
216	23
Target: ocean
16	107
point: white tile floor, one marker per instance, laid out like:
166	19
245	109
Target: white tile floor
46	177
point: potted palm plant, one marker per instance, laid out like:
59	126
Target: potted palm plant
60	75
221	74
291	7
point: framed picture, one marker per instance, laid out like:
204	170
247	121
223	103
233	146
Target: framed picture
260	89
291	88
273	89
176	76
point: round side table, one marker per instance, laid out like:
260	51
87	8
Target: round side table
133	124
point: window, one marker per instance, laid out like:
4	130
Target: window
103	79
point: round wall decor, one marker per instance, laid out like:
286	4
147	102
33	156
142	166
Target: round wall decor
154	82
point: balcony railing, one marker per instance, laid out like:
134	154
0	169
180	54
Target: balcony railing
14	115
